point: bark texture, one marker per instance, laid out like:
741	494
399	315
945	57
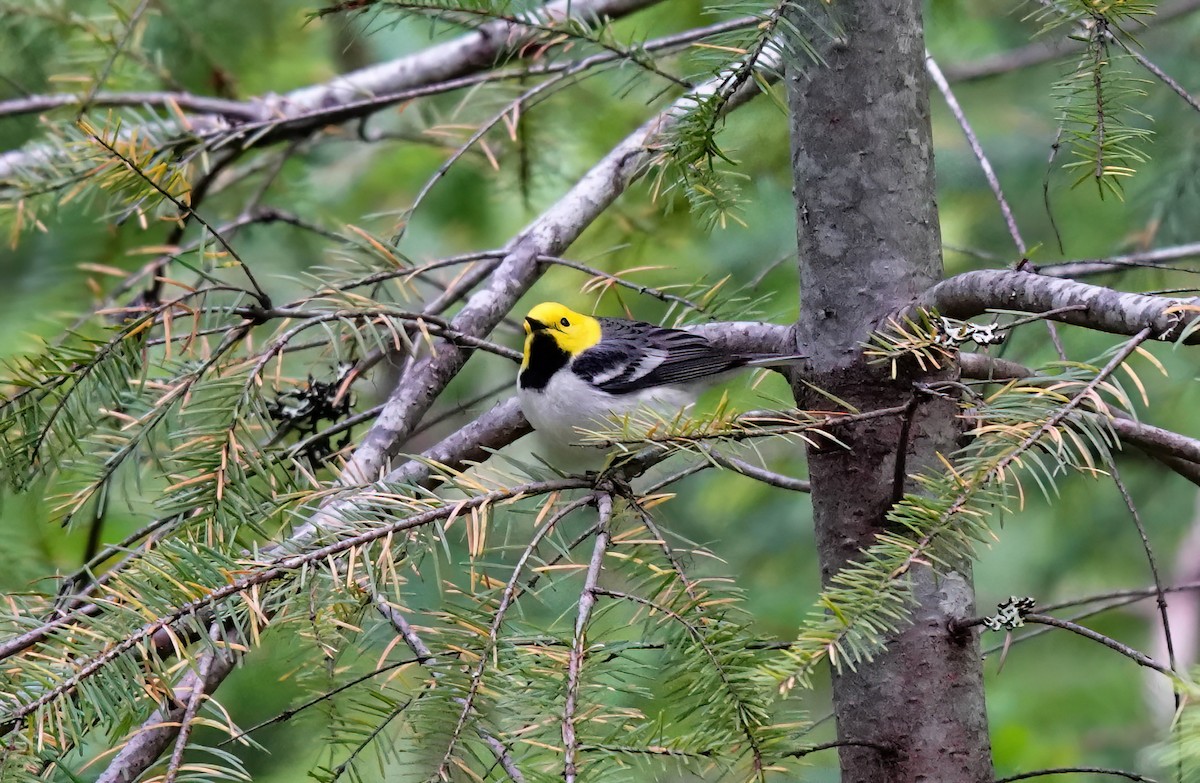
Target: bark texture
974	293
869	244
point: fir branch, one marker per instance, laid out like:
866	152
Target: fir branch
269	571
1155	441
185	211
1094	109
426	659
142	749
187	719
507	598
155	268
746	722
686	434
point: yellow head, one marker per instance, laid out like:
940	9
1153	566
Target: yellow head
570	331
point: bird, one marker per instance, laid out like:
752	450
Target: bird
579	372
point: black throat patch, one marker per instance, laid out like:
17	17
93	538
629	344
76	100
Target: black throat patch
545	359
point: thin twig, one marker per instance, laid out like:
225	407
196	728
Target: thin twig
689	585
759	474
291	712
189	717
1159	593
939	80
1114	599
1136	656
461	407
507	598
1162	75
1119	773
1055	146
1152	259
802	752
184	211
679	475
587	601
645	290
1122	597
130	27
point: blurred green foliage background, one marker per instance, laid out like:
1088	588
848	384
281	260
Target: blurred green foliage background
1059	700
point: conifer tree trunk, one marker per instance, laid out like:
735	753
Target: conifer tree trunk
868	238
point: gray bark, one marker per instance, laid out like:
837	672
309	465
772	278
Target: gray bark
869	244
974	293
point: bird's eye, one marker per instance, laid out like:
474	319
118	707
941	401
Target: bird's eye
565	322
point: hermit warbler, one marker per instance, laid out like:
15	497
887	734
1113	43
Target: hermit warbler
581	372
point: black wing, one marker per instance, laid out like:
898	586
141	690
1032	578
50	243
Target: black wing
632	356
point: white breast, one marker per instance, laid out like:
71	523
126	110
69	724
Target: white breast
568	404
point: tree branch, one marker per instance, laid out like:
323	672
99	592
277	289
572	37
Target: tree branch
1098	266
198	104
470	53
1041	52
154	736
760	474
975	293
1156	440
981	367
